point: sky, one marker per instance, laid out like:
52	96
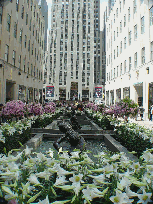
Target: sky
103	4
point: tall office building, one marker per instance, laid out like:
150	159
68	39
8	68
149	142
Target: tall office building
21	50
129	53
74	49
44	10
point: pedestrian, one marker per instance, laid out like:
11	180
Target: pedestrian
151	112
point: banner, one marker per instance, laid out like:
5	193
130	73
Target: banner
49	91
98	92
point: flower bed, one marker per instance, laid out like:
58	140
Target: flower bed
13	134
130	135
39	178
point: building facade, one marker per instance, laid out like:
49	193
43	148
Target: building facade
21	51
129	53
74	49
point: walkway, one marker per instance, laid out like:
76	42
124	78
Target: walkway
148	124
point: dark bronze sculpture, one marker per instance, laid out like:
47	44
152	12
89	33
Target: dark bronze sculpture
75	140
74	121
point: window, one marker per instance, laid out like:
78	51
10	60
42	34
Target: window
26	18
142	1
31	69
107	76
30	25
120	47
125	66
124	20
151	15
125	43
114	35
117	71
25	41
134	6
151	50
130	63
129	15
28	68
20	39
15	30
135	32
120	6
117	12
121	69
130	37
114	18
1	13
17	5
120	26
14	55
6	53
24	64
33	29
32	49
117	51
135	60
114	73
117	31
19	61
8	22
22	12
29	46
142	25
114	54
143	55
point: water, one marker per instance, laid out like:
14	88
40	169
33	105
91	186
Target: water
95	146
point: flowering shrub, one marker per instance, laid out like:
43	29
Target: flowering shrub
50	107
133	137
38	178
13	109
13	133
92	106
126	107
36	109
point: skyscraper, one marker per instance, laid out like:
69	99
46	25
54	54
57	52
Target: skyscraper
75	49
44	11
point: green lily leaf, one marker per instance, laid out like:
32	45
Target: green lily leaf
87	200
7	190
66	188
34	197
98	170
61	202
73	199
53	191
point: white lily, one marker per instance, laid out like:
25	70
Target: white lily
46	201
33	179
76	180
45	174
27	150
60	180
145	197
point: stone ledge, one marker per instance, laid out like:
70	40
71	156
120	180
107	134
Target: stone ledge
115	146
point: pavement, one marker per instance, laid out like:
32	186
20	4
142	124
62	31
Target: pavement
147	124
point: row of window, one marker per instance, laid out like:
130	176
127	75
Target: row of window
122	71
33	71
116	52
129	18
22	16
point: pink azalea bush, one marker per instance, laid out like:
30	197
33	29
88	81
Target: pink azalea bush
36	109
50	107
13	109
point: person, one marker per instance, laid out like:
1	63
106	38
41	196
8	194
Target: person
151	112
75	140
